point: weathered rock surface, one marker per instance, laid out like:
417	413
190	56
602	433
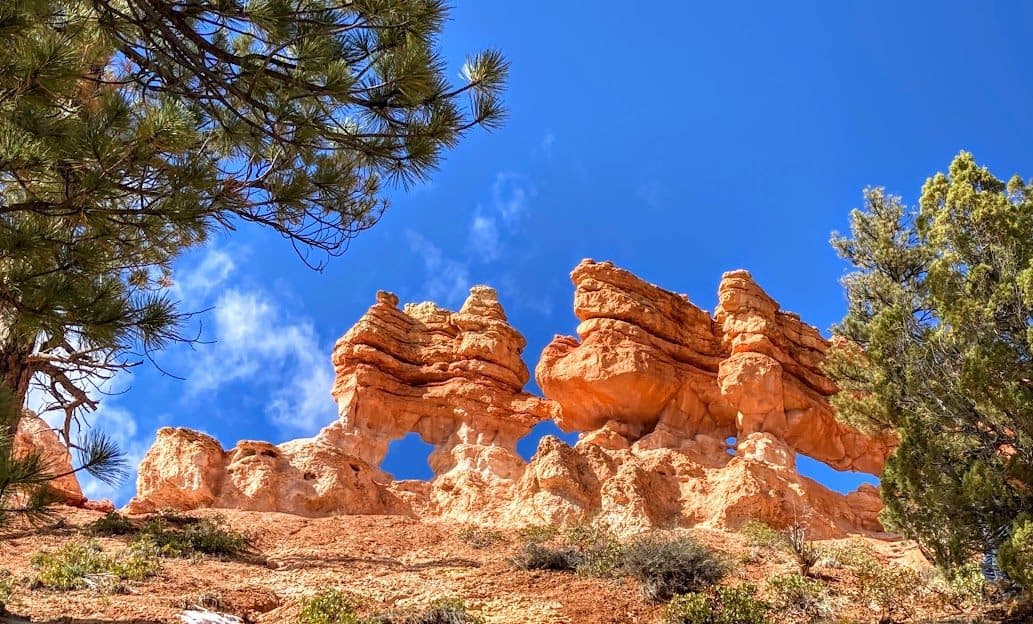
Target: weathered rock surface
186	469
686	418
34	433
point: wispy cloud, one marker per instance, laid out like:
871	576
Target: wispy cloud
651	193
255	341
484	237
511	196
447	280
547	142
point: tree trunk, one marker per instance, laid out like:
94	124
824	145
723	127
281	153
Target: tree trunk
15	374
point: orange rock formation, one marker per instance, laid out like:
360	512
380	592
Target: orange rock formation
685	419
34	433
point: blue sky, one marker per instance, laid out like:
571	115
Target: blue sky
679	140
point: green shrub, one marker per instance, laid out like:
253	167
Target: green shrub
330	606
6	589
846	555
536	556
1016	553
890	590
591	550
479	537
725	605
112	524
77	565
760	534
964	585
666	567
692	608
800	595
598	550
181	536
440	611
538	533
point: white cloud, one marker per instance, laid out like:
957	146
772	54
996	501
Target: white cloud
257	343
651	193
484	237
548	141
211	272
122	426
510	197
447	281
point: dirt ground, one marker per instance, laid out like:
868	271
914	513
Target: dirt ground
391	561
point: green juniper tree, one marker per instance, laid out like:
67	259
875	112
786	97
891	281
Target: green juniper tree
131	130
939	352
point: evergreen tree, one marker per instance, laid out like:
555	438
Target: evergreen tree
131	130
940	353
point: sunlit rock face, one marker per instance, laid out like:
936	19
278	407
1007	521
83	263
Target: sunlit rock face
686	418
34	434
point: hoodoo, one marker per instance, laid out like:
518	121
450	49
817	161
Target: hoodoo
686	418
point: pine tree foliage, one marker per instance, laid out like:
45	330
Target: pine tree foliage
130	130
939	352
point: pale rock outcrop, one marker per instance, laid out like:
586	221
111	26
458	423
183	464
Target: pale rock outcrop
186	469
34	433
686	418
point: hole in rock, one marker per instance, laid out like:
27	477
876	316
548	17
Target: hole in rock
308	476
842	481
527	445
407	458
732	442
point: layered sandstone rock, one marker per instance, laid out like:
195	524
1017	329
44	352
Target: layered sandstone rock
455	378
35	434
687	418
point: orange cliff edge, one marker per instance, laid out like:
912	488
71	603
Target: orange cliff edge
655	384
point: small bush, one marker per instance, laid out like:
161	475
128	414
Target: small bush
209	601
962	586
537	533
805	552
591	550
598	550
840	556
762	535
6	589
179	536
1016	553
796	594
441	611
536	556
330	606
693	608
112	524
890	590
78	565
725	605
666	567
479	537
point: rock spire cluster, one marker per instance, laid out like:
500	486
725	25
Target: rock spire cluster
685	418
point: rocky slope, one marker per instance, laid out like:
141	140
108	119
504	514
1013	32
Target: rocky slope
686	419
